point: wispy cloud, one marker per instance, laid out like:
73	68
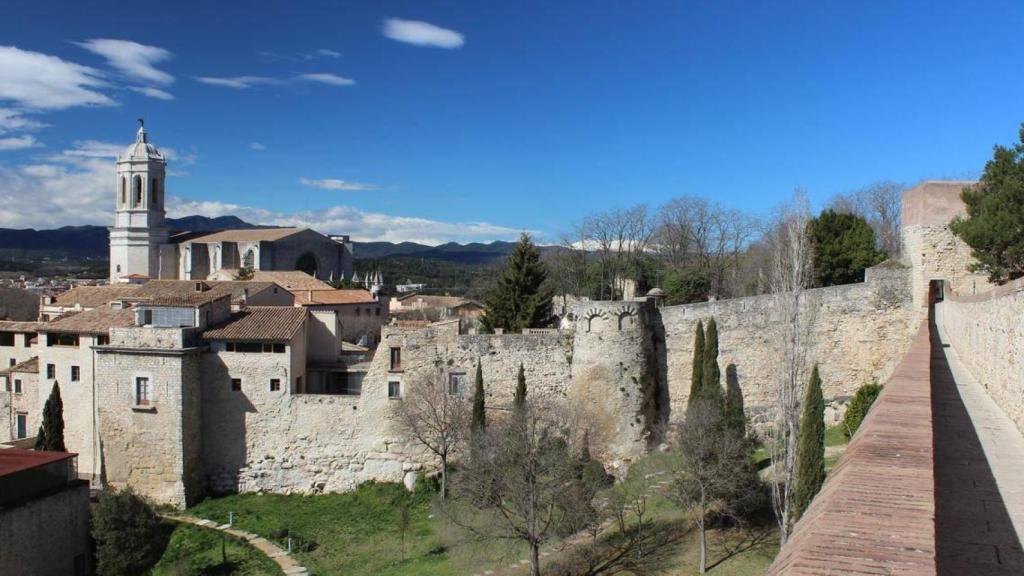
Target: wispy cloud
362	226
152	92
238	82
326	78
257	146
328	53
15	121
19	143
136	61
422	33
335	184
42	82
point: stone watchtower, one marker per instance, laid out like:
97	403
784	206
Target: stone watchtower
138	229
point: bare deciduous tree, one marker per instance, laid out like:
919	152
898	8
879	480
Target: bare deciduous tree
435	418
714	473
789	247
880	205
521	484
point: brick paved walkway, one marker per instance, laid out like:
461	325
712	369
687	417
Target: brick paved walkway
979	473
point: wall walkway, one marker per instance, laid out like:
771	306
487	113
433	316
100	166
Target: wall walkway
915	492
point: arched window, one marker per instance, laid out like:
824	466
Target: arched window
124	190
250	259
137	190
155	194
307	263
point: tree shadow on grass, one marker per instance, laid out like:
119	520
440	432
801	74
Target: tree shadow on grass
753	537
654	549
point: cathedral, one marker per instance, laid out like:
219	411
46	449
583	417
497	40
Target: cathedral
142	247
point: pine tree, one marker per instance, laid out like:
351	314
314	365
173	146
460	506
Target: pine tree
519	401
479	415
697	377
711	387
521	298
51	432
810	454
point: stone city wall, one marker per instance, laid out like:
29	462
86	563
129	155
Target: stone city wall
988	335
858	333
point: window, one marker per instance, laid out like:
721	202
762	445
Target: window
137	190
394	389
6	338
243	347
275	385
457	384
142	396
31	339
76	374
17	385
62	340
102	340
396	358
236	384
147	317
51	371
378	311
118	267
22	431
12	361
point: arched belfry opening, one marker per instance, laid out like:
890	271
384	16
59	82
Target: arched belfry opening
307	263
137	190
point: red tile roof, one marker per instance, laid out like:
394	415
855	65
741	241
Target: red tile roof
95	321
14	460
260	324
315	297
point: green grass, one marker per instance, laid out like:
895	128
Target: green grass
834	436
354	533
196	551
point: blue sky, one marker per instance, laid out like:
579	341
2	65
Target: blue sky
473	120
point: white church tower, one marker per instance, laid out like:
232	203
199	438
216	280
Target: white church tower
138	229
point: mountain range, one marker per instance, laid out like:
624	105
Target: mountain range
92	242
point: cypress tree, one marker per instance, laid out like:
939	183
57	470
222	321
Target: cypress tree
711	387
519	401
697	378
51	432
479	416
521	298
810	454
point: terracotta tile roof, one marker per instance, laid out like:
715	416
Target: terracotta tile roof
14	326
315	297
184	293
95	321
291	279
249	235
15	459
260	324
427	301
93	296
30	366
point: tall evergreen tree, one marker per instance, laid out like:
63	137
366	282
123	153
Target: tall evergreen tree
51	432
810	455
479	415
697	376
521	298
519	401
995	210
711	387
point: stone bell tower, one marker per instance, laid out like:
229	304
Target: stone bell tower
138	229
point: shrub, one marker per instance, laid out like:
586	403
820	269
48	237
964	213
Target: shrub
127	534
859	407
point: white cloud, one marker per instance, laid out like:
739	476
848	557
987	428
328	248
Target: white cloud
335	184
40	81
325	78
76	191
15	121
328	53
422	33
134	60
257	146
237	82
18	143
94	149
152	92
362	226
